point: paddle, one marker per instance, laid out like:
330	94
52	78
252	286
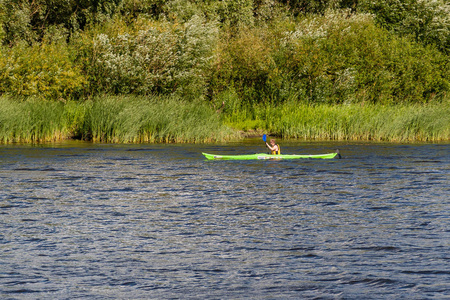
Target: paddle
265	139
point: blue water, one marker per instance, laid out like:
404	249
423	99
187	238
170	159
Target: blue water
91	221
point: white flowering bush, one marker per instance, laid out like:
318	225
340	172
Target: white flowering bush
158	57
2	20
196	45
134	64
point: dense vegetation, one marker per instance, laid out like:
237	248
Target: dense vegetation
110	119
134	119
226	61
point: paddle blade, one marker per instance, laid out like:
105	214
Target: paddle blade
264	138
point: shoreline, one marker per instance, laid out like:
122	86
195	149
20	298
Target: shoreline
121	119
242	136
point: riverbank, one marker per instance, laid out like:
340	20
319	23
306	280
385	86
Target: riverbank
392	123
111	119
130	119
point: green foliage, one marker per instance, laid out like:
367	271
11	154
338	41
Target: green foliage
2	19
237	14
337	59
16	21
251	49
244	61
306	6
42	70
30	21
400	123
128	119
151	57
184	10
134	8
302	7
427	21
31	121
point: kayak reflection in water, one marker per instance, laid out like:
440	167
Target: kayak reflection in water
274	148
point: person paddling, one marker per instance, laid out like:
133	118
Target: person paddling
274	148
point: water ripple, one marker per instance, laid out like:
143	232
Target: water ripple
158	222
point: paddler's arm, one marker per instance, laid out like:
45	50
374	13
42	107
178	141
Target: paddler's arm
271	148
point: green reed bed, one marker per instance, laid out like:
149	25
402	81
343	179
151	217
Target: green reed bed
139	119
130	119
397	123
111	119
32	121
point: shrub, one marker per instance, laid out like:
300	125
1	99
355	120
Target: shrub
237	14
427	21
244	61
135	8
42	70
338	59
150	57
15	22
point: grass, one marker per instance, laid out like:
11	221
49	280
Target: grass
129	119
31	121
155	120
395	123
111	119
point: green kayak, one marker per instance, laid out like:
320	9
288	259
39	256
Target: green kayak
272	156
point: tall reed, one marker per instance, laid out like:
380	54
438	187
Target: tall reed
32	121
399	123
171	120
154	119
111	119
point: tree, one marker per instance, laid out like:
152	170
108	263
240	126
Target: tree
427	21
26	20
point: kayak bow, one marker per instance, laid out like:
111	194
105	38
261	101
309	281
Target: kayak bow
271	156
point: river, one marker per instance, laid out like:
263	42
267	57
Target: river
102	221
